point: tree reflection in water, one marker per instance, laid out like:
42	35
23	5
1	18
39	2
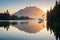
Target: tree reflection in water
7	24
55	29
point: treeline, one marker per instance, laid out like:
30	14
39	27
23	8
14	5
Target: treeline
53	16
7	16
53	20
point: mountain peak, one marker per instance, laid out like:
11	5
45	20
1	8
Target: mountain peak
31	11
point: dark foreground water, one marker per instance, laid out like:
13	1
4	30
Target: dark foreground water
25	30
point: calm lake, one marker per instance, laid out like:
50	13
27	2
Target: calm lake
25	30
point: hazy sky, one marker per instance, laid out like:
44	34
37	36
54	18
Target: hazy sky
15	5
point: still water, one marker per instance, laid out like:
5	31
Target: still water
25	30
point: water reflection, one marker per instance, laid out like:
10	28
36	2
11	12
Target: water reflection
13	23
55	28
26	26
5	25
29	27
24	22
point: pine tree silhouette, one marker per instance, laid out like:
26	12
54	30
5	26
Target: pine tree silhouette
53	20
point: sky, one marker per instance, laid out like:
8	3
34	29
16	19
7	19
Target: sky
15	5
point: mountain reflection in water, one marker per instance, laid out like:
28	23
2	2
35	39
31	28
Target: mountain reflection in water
26	26
31	27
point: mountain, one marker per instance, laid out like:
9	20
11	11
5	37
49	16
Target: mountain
33	12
